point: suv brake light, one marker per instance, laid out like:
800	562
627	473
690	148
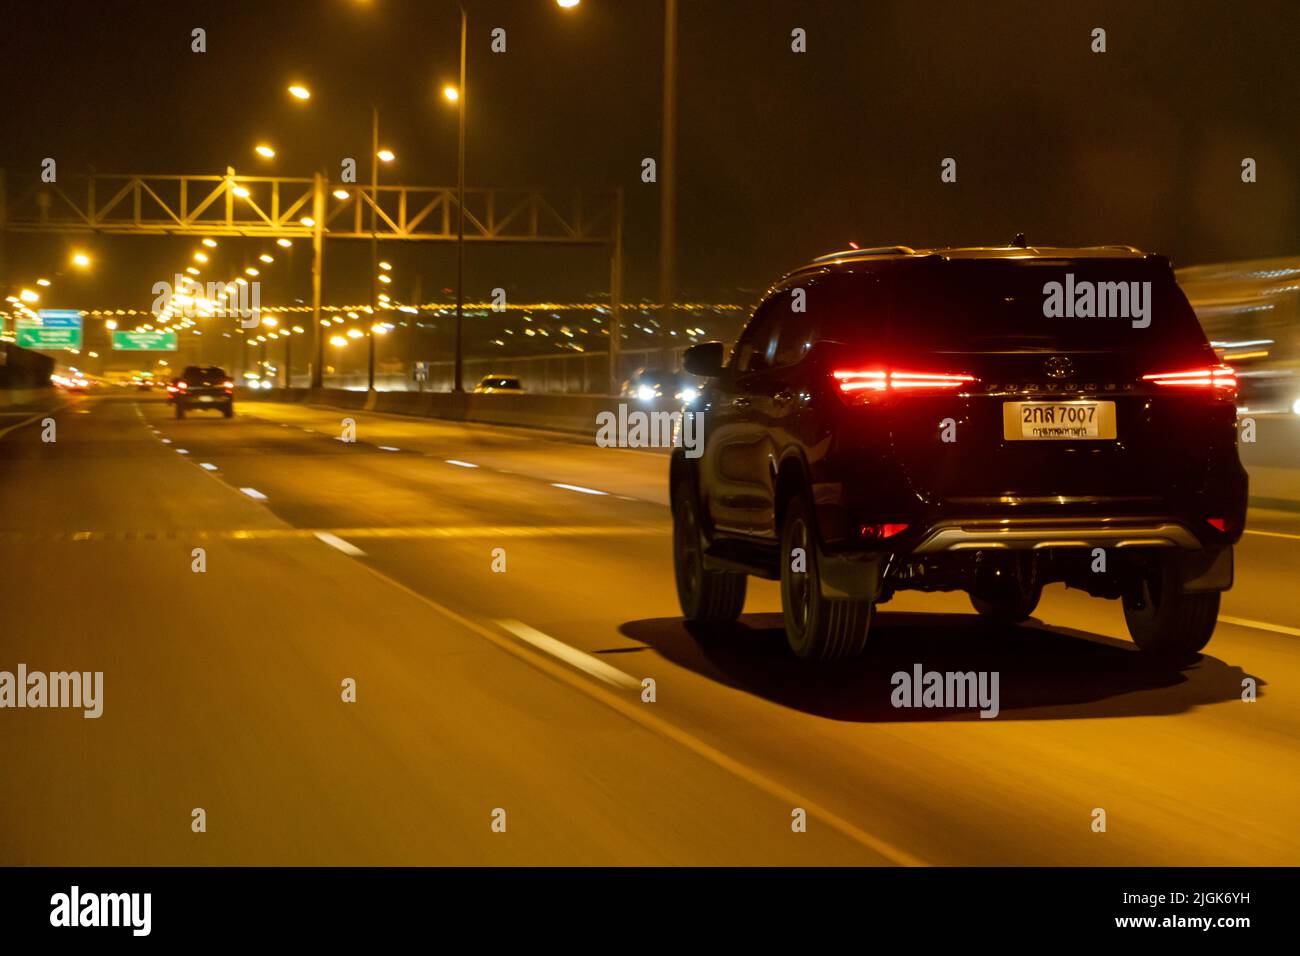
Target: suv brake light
861	384
1220	378
182	385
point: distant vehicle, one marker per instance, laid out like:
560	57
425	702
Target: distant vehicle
202	387
72	382
499	385
648	384
932	422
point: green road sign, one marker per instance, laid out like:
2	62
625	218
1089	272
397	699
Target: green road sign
144	341
32	335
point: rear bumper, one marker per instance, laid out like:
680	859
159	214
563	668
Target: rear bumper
1201	562
1028	534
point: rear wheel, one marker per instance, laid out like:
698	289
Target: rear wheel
228	410
1165	621
816	627
180	412
704	595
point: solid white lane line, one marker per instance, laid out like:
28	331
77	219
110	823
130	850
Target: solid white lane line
334	541
1260	625
570	655
461	464
208	466
254	494
28	421
578	488
635	711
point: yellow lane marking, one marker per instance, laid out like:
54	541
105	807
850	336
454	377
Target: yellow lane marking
272	534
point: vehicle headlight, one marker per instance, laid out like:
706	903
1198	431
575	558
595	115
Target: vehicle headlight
646	393
688	395
1295	406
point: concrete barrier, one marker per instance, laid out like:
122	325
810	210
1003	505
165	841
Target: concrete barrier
12	397
575	414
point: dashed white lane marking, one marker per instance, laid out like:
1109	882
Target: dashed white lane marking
254	494
1273	534
166	441
461	464
570	655
207	466
388	448
182	451
578	488
334	541
1260	625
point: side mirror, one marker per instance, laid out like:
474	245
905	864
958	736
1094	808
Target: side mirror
704	360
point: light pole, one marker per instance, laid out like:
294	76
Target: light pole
668	181
374	241
458	383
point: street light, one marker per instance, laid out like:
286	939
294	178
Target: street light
300	92
266	152
81	260
387	155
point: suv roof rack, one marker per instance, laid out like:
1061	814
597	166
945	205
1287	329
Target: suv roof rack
865	253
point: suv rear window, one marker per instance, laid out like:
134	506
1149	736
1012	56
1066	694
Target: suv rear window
204	375
1004	305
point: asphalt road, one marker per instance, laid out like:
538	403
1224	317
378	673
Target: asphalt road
521	690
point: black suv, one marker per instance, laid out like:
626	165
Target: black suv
202	386
987	420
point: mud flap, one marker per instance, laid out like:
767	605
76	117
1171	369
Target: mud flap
1206	570
852	577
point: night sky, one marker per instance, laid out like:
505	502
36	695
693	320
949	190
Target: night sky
782	156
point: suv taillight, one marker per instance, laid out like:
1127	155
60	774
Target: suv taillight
182	385
860	386
1220	379
228	386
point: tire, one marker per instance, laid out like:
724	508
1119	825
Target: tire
228	411
816	628
180	412
1167	622
704	595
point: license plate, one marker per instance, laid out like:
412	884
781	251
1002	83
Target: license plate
205	398
1058	421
